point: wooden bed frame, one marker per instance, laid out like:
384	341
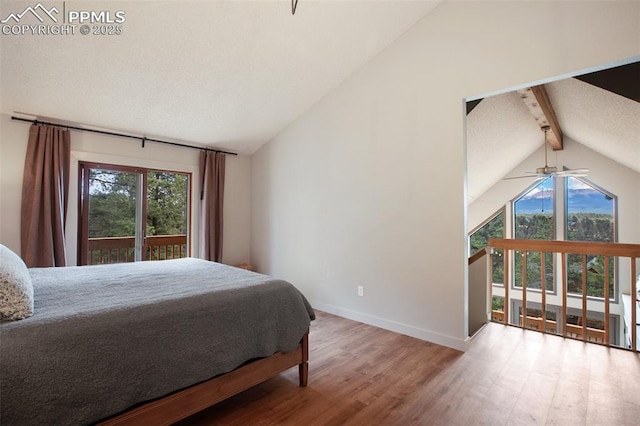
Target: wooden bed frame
183	403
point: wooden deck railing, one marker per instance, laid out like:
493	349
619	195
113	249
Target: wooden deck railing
122	249
162	247
630	251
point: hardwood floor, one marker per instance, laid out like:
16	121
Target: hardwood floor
362	375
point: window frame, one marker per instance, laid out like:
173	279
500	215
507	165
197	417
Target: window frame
614	198
82	181
503	211
554	219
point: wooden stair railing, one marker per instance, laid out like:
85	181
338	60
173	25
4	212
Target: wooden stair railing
630	251
478	255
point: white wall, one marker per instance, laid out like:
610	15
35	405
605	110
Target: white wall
367	187
106	149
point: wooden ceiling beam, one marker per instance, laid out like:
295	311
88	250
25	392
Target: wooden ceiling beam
537	100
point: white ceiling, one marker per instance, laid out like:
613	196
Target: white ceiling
233	74
601	120
501	132
229	74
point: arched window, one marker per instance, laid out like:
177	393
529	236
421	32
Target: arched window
590	216
534	219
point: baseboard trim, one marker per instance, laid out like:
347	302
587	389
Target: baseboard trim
407	330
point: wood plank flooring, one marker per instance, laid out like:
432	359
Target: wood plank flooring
363	375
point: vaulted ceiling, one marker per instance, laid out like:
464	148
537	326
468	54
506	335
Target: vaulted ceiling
229	74
599	110
233	74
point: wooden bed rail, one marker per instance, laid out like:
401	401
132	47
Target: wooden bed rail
630	251
183	403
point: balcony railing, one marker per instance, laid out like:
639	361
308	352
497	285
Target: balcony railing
122	249
542	322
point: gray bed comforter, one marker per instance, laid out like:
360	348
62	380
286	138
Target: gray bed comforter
103	338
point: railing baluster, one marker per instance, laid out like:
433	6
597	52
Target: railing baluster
564	294
606	300
584	297
507	284
491	254
543	289
524	289
634	293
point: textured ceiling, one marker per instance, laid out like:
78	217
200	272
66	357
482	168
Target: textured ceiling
607	123
232	74
229	74
501	132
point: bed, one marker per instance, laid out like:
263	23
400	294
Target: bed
146	342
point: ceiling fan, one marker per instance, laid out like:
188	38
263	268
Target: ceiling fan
546	171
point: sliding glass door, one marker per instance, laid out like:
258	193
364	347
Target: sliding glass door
130	214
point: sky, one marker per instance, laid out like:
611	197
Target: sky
582	198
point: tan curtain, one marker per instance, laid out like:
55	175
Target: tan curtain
211	204
45	192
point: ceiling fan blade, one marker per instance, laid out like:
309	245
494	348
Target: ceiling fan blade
573	172
534	176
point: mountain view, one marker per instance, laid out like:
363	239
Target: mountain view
582	198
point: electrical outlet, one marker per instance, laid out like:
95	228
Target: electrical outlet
360	291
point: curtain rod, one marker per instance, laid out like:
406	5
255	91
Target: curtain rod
122	135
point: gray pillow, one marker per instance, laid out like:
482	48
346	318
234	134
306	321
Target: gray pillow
16	289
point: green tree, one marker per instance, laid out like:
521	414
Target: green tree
479	239
167	197
534	226
590	227
113	203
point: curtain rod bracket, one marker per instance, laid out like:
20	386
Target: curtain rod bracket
144	139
